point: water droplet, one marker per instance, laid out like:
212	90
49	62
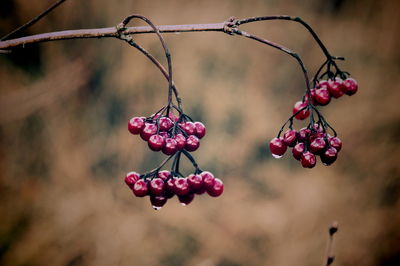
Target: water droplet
277	156
183	204
156	208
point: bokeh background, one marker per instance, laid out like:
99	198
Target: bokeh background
65	148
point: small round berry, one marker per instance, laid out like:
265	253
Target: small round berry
164	174
303	134
140	189
217	189
181	186
350	86
312	93
170	187
277	147
298	150
165	124
164	134
323	83
304	113
317	145
329	156
148	131
156	186
195	182
322	96
156	142
180	141
157	202
200	129
131	178
173	117
188	127
208	179
192	143
308	160
186	199
135	125
290	137
170	146
336	143
335	87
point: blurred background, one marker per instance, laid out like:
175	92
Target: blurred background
65	147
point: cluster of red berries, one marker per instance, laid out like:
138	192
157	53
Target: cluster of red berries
306	144
167	133
323	93
163	185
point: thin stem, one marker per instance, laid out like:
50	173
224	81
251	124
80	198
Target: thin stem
329	256
34	20
155	170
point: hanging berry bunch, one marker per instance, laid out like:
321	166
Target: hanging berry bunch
174	133
315	139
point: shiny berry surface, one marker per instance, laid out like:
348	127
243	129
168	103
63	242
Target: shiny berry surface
131	178
217	188
181	186
188	127
135	125
140	189
164	174
277	147
195	182
208	179
148	131
322	96
156	186
290	137
156	142
170	146
350	86
186	199
180	141
335	87
329	156
298	150
303	134
200	129
158	201
336	143
192	143
301	114
317	145
165	123
308	160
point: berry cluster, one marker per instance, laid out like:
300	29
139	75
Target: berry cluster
306	144
168	133
164	185
322	94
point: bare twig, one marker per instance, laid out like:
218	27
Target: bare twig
329	257
34	20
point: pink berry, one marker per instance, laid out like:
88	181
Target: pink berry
131	178
180	141
195	182
317	145
301	115
164	175
181	186
188	127
170	187
156	186
156	142
312	93
157	201
303	134
322	96
208	179
329	156
298	150
165	124
200	129
308	160
186	199
140	189
135	125
277	147
350	86
148	131
217	188
170	146
173	117
336	143
192	143
290	137
335	87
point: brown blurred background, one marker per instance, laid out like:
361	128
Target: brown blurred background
65	148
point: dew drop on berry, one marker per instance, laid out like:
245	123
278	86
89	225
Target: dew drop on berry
276	156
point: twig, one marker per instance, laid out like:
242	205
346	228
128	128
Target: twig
329	257
34	20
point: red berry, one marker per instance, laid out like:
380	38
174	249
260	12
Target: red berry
298	150
170	146
303	134
322	96
164	175
323	83
312	93
131	178
135	125
290	137
317	145
200	191
335	87
195	182
148	131
186	199
336	143
208	179
165	124
329	156
181	186
350	86
277	147
156	186
164	134
301	115
170	187
180	141
173	117
192	143
200	129
188	127
217	189
157	201
308	160
156	142
140	189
